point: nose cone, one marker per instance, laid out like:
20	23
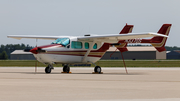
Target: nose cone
34	50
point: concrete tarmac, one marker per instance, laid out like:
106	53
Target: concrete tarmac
141	84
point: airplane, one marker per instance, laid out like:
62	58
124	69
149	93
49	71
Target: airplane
88	49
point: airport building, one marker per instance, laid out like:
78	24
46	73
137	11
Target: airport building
173	54
135	53
21	55
132	53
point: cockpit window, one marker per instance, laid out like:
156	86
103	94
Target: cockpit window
62	41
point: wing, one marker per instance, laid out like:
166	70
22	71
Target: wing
114	38
35	37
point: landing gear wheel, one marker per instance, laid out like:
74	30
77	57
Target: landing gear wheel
66	69
48	69
97	69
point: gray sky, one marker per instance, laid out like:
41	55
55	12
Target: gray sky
79	17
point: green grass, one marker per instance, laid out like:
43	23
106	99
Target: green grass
102	63
19	63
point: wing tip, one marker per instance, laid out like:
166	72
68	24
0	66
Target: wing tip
11	36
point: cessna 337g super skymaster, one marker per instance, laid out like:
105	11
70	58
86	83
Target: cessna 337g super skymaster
69	50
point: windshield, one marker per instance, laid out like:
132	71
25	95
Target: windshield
62	41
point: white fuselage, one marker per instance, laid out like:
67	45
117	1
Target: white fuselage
57	53
64	59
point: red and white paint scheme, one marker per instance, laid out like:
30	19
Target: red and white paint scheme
68	50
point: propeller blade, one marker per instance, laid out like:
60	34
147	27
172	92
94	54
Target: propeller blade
27	50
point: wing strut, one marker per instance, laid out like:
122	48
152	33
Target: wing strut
124	63
123	60
113	52
88	51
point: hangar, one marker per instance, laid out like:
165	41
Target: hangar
133	53
142	52
173	54
21	55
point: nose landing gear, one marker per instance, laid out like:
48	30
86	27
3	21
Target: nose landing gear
48	69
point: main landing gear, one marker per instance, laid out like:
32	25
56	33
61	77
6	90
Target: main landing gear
97	69
48	69
66	69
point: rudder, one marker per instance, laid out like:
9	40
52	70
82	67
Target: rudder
159	42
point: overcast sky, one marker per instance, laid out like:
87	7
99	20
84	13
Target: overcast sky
79	17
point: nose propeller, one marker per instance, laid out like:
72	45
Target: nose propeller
37	50
27	50
34	50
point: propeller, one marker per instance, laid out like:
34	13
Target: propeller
27	50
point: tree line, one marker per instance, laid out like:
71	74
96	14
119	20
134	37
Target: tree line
6	50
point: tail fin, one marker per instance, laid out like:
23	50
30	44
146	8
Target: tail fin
159	42
125	30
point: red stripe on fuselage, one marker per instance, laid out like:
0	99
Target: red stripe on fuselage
51	45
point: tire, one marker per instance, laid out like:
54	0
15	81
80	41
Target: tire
48	70
97	69
66	69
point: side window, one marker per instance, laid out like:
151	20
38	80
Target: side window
95	46
86	44
76	45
